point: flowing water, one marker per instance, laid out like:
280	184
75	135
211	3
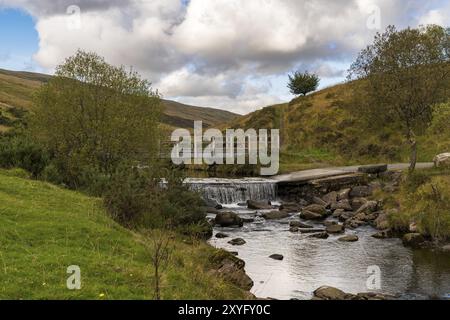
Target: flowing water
310	263
229	191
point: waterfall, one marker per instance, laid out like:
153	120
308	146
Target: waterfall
227	191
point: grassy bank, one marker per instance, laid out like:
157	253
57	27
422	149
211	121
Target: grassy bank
423	199
44	229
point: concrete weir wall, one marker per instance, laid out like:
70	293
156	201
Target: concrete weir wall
294	191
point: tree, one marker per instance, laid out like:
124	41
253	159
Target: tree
403	75
92	115
302	83
161	251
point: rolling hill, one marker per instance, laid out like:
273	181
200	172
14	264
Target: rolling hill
17	88
325	129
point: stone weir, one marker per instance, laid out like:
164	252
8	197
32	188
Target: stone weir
307	189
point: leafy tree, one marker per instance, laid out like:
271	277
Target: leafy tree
92	116
302	83
404	74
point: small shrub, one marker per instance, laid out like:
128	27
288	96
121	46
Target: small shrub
18	151
138	198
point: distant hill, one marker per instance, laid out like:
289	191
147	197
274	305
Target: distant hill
17	88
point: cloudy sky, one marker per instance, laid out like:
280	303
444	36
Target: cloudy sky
231	54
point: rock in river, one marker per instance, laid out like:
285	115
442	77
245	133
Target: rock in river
277	257
228	219
308	215
329	293
275	215
237	242
259	205
335	228
221	235
342	204
299	224
349	238
316	208
322	235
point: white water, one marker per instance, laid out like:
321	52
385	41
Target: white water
228	191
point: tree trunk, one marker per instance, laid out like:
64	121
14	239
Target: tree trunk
413	149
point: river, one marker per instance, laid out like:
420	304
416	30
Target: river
310	263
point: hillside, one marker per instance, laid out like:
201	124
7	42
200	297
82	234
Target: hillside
324	129
45	229
17	88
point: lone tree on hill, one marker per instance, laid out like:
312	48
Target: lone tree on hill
302	83
404	74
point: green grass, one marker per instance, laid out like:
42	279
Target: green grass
423	198
45	229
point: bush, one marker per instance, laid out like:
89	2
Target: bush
18	151
429	206
138	198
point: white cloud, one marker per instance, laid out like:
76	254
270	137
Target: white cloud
226	53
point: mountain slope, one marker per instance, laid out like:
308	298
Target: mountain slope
17	88
325	128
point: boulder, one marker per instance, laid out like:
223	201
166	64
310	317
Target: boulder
360	192
237	242
442	160
299	224
358	203
368	207
291	207
276	257
275	215
382	222
343	194
221	235
212	203
331	197
228	219
316	208
349	238
335	228
321	235
338	212
342	204
308	215
317	200
373	169
414	240
329	293
446	248
232	269
293	229
385	234
329	223
259	205
346	216
353	223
